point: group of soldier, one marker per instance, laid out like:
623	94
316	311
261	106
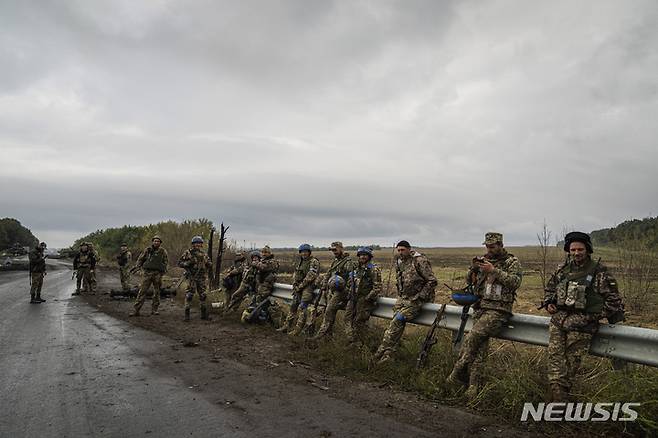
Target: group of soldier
579	294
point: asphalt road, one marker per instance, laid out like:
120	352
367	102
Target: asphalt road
69	370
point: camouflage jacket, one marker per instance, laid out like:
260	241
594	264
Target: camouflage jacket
497	289
84	260
37	261
415	279
367	280
266	271
342	266
587	289
124	258
196	263
235	271
306	273
152	259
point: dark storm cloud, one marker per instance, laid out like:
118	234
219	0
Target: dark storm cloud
362	121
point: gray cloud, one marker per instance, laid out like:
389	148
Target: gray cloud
364	121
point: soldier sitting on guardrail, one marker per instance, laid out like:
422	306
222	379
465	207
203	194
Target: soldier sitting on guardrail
577	296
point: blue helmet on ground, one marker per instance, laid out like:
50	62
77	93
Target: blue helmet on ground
197	239
304	247
364	250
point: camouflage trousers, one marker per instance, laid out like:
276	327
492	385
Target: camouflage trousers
83	278
404	310
300	308
335	302
195	285
474	350
356	318
239	295
92	280
37	284
149	278
569	338
124	275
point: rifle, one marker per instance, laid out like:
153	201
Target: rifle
457	340
430	340
254	313
135	268
220	254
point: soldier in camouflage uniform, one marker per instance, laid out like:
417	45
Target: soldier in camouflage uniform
364	285
37	272
248	283
233	277
92	272
415	283
577	296
494	279
334	285
83	263
266	269
303	286
124	259
154	261
197	264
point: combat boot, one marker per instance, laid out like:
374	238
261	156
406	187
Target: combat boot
187	315
457	377
204	314
77	292
134	313
39	299
32	299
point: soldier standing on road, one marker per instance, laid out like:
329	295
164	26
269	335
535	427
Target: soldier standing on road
124	259
335	281
415	283
154	262
577	296
233	277
248	284
495	279
366	284
92	272
37	272
83	262
197	264
303	282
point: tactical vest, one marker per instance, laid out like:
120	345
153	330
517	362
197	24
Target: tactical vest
155	260
84	259
575	289
415	281
122	258
492	290
364	276
339	266
302	270
269	276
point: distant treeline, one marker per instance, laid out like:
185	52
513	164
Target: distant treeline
12	232
175	237
638	231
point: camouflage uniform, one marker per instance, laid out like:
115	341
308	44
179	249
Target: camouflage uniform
415	284
581	303
197	264
233	277
497	292
303	287
124	259
337	298
84	262
37	272
247	285
367	283
92	272
154	262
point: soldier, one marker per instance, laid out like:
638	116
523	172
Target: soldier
303	282
334	284
92	272
83	262
197	264
37	272
124	259
154	262
233	277
266	270
415	283
577	296
364	285
494	279
248	283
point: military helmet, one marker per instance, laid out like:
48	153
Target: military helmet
266	251
464	299
336	283
255	253
197	239
239	256
304	247
364	250
156	237
577	236
43	245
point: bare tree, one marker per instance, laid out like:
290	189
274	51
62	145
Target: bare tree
636	275
544	239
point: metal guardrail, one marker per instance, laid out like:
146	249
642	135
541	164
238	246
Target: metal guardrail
632	344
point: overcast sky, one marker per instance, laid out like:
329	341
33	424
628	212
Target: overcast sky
365	121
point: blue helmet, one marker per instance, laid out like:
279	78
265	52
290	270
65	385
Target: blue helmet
197	239
304	247
255	253
364	250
